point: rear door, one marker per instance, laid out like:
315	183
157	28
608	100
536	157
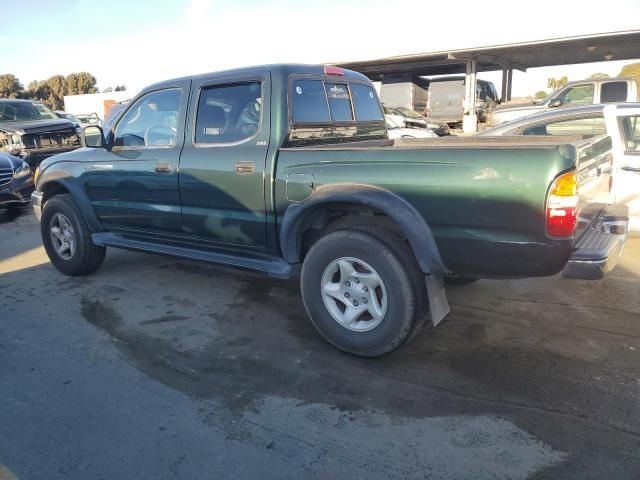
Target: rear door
222	164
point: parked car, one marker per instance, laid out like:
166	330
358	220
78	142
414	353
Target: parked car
620	121
405	92
574	94
33	132
89	118
16	181
288	170
73	119
411	119
439	98
447	95
395	130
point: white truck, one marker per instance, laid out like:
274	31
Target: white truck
573	94
620	121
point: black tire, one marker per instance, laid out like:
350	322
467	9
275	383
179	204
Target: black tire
87	256
459	280
390	256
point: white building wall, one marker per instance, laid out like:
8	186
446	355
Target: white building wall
93	102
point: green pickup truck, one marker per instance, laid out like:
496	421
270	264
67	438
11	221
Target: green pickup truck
288	170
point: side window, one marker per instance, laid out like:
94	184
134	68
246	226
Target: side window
365	103
578	95
612	92
576	126
631	133
150	122
339	101
310	102
229	113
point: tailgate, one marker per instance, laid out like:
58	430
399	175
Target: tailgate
594	167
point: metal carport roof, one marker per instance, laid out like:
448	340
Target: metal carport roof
623	45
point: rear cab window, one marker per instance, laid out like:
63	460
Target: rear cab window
321	102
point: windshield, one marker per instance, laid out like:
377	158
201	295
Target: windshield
24	111
407	112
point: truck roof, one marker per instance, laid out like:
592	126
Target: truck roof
599	80
283	70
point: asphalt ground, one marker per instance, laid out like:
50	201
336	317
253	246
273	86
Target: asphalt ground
160	368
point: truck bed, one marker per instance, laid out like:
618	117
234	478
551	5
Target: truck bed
484	198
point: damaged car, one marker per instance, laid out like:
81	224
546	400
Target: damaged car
31	131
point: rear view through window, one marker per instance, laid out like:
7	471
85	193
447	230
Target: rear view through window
316	101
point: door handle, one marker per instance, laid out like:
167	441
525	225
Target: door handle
163	167
245	168
630	168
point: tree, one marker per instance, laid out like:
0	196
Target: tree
598	76
57	90
38	90
540	94
119	88
10	86
556	83
81	83
631	70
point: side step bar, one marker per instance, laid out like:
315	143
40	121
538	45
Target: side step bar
274	267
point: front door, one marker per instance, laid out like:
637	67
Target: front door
133	184
626	178
223	161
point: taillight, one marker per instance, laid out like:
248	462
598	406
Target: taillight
562	206
329	70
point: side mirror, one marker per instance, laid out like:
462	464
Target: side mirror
556	102
93	137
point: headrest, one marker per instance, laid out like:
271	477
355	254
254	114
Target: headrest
212	116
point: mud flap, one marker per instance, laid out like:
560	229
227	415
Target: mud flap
438	304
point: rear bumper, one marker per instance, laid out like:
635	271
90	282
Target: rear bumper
599	249
36	202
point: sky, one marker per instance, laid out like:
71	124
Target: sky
137	43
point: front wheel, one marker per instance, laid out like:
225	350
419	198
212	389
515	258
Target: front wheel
363	290
67	238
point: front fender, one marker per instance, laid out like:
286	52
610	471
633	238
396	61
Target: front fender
70	183
411	223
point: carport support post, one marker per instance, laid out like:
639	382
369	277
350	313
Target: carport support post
505	81
469	119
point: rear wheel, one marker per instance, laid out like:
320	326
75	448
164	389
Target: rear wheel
67	238
363	290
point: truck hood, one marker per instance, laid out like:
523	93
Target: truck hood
36	126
